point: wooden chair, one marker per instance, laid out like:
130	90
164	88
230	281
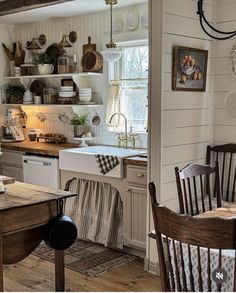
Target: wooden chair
190	248
226	155
194	186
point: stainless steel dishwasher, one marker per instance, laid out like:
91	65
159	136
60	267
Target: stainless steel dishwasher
40	170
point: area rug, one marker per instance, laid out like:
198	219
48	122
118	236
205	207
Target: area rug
88	258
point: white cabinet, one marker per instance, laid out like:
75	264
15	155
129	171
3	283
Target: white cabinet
137	206
11	165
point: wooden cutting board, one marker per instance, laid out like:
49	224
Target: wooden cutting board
89	47
7	180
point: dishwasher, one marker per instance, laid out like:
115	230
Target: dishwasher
40	170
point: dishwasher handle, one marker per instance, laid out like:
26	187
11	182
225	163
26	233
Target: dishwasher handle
32	162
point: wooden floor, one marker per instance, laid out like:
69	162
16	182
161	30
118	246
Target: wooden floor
35	274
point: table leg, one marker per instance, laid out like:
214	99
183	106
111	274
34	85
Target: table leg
1	260
59	271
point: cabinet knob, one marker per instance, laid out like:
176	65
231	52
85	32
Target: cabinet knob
127	189
140	174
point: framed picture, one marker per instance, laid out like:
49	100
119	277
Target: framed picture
189	69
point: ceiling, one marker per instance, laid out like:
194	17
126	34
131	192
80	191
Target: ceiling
73	8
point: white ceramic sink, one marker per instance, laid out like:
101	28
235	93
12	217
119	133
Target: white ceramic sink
83	159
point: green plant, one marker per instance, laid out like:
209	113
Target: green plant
79	119
15	91
43	58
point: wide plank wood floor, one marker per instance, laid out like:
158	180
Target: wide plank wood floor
36	274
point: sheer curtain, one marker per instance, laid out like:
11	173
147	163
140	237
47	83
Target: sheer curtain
114	101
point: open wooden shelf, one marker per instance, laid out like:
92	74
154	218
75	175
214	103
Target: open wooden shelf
79	74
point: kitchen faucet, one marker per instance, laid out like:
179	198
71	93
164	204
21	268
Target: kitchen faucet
125	138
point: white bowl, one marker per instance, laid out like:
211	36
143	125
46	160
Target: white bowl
85	95
67	89
67	94
85	99
85	89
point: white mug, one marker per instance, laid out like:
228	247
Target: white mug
37	100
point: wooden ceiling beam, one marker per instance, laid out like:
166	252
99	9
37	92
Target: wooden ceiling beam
14	6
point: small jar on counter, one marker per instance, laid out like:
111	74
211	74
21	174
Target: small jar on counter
32	134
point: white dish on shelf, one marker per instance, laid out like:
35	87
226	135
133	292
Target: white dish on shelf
144	19
132	20
67	94
67	89
85	99
118	23
85	89
86	103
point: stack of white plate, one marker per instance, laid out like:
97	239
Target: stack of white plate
85	94
67	92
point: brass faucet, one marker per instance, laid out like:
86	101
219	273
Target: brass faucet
120	136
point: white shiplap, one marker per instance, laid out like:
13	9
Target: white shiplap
224	125
186	116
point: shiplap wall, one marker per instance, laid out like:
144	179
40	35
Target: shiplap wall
186	116
95	25
224	125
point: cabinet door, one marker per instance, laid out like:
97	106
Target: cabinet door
14	172
137	218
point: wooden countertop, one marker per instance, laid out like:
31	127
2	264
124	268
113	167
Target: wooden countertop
40	148
137	161
22	194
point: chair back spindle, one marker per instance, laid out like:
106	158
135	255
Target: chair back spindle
191	248
198	188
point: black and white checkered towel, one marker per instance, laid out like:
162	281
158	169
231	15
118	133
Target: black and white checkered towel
106	163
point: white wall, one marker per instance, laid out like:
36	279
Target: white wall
95	25
224	124
186	116
181	122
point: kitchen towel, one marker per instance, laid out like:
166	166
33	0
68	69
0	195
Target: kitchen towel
97	211
106	163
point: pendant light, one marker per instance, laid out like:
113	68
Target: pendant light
204	22
111	53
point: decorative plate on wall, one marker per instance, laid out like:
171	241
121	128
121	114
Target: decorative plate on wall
144	19
118	23
230	103
132	20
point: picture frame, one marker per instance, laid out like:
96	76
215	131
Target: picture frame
189	69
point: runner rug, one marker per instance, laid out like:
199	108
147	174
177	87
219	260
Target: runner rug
88	258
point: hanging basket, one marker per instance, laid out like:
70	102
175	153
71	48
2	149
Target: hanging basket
92	61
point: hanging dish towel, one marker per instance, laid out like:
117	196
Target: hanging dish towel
106	163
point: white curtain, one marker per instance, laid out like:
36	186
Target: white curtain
97	211
113	101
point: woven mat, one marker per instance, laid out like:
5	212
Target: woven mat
88	258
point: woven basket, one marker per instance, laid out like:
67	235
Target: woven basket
92	61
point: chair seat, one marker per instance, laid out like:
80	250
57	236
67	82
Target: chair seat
213	204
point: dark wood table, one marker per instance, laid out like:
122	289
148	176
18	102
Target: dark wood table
24	211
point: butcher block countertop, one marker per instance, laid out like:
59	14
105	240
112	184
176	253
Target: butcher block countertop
38	148
137	161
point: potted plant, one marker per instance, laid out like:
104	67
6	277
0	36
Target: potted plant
44	62
80	124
